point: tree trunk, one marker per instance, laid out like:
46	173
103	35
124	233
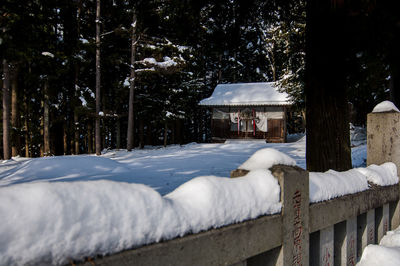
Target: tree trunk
131	119
149	135
328	140
141	133
90	137
76	132
173	130
65	138
179	131
6	111
26	127
98	99
165	134
46	120
118	133
15	136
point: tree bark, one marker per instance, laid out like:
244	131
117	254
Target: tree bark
131	118
15	136
141	133
76	132
46	120
118	133
328	140
98	73
26	127
90	137
65	138
6	111
149	135
165	134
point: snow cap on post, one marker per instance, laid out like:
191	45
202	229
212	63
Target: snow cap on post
263	159
385	106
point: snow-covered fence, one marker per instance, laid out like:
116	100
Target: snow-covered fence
332	232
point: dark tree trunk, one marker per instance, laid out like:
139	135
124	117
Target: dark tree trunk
6	111
26	127
98	99
149	134
141	133
46	120
165	134
90	137
131	118
118	133
15	136
328	140
76	132
65	138
179	131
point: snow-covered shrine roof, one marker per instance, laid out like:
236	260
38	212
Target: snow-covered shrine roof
260	93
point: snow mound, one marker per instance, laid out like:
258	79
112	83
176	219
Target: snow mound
387	253
212	201
381	175
391	238
64	168
379	255
265	159
385	106
332	184
51	223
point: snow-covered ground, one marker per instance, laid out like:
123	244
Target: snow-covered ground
163	169
61	208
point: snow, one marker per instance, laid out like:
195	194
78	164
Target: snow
65	168
168	62
374	255
101	217
386	253
391	239
261	93
385	106
332	184
265	159
70	207
48	54
382	175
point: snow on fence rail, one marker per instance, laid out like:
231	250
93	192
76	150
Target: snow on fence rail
330	232
324	233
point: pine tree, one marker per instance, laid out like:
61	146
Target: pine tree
98	81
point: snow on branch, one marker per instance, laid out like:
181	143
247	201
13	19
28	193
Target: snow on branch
150	61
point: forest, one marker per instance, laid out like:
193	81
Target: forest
82	76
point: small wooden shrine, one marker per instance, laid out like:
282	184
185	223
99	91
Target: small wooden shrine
248	111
